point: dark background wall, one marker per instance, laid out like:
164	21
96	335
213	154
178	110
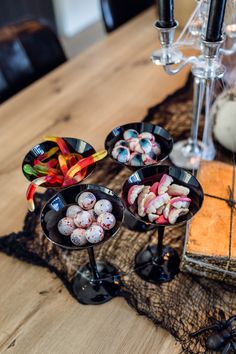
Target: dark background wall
14	10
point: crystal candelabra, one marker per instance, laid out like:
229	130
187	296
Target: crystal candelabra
206	69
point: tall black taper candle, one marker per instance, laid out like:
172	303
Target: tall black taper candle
166	13
215	20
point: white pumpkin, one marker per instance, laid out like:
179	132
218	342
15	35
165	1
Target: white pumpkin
224	113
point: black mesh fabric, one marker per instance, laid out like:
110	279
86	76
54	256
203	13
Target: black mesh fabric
181	306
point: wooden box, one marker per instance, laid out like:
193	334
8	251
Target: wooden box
210	245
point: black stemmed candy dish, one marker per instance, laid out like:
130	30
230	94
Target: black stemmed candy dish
78	146
162	137
166	143
95	282
158	263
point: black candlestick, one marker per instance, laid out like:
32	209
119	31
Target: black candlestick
215	20
166	13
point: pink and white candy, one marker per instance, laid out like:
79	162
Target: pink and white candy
94	233
142	199
133	193
73	210
66	226
175	213
106	220
103	206
165	182
78	237
156	203
177	190
180	202
86	200
83	219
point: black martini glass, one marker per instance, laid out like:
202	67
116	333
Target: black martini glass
166	143
78	146
95	282
159	263
161	135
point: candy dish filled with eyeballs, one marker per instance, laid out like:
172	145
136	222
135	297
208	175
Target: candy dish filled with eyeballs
81	216
88	220
138	144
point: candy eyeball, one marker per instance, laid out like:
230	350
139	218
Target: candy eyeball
147	135
86	200
136	159
107	221
144	146
156	148
92	213
73	210
103	206
121	154
130	134
94	233
83	219
121	143
66	226
78	237
133	143
148	160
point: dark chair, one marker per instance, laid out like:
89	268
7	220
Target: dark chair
116	12
28	50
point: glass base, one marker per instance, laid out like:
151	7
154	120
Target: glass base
186	155
148	268
209	152
94	292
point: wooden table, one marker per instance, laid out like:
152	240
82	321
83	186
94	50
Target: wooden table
110	84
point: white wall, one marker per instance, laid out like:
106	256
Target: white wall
73	16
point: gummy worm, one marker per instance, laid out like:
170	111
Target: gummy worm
60	142
37	182
46	170
29	170
48	153
76	179
50	163
86	162
62	164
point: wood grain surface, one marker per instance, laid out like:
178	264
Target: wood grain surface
110	84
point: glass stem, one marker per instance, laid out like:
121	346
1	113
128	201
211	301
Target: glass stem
160	233
93	264
209	149
198	95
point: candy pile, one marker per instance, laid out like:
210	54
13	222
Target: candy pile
162	203
136	149
88	220
58	167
